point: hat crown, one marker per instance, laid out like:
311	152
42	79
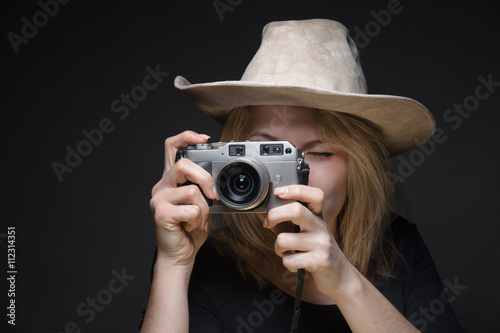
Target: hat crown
314	64
317	54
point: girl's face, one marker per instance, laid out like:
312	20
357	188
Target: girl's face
328	166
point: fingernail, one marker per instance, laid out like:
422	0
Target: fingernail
265	223
280	190
204	136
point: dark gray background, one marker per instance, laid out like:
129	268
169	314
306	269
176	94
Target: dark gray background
72	234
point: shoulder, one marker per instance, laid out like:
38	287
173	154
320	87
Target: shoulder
412	253
417	285
414	256
407	239
415	274
403	229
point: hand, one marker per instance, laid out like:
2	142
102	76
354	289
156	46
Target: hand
181	213
314	247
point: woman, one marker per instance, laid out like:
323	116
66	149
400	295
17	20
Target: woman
366	271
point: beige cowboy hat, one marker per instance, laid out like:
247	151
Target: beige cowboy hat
314	63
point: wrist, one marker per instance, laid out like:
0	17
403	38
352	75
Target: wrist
354	284
166	268
168	300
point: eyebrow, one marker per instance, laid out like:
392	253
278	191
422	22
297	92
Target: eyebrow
269	137
311	144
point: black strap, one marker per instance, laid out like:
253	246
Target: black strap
301	273
303	172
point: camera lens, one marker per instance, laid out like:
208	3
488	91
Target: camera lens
243	184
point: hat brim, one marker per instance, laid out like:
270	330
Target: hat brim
404	122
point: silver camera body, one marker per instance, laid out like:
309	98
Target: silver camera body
246	173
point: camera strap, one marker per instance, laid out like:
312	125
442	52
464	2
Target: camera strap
301	273
303	172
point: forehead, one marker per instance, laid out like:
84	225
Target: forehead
280	120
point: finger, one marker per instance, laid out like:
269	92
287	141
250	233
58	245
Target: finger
312	196
295	261
169	217
189	195
181	140
287	243
186	170
295	212
184	195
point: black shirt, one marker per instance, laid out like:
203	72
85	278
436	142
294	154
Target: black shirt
220	300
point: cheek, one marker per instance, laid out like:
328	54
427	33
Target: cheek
332	179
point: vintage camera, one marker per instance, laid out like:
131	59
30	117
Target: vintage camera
246	173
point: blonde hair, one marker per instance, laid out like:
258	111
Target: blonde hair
363	229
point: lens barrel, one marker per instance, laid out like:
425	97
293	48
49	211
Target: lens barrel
243	184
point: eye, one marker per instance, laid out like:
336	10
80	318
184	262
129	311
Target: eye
319	154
